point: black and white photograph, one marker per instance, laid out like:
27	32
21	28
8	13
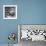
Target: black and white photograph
9	11
31	34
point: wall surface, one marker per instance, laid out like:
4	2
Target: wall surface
33	12
28	12
7	26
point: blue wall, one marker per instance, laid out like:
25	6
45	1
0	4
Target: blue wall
7	26
28	12
33	12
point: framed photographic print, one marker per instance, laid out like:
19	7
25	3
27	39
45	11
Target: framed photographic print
31	32
9	11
